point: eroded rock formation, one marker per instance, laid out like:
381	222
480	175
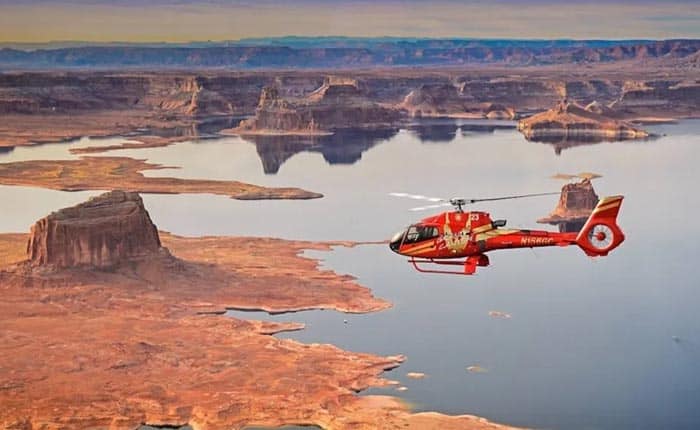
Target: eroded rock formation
662	97
498	111
103	232
571	121
338	103
576	202
437	99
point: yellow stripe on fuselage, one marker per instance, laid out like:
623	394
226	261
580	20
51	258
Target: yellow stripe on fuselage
420	248
605	206
494	233
610	199
482	229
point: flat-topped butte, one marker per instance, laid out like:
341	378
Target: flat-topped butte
571	121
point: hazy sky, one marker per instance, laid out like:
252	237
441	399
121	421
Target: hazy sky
180	20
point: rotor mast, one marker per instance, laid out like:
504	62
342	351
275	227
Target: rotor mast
458	204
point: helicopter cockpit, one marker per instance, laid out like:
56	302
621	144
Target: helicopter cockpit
413	234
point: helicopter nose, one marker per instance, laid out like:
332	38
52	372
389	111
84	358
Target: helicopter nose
395	242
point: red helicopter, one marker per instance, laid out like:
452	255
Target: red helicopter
440	239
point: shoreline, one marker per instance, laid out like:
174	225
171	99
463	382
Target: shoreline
270	132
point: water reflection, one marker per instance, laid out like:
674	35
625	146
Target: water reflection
342	147
205	129
561	143
347	146
435	133
485	127
445	130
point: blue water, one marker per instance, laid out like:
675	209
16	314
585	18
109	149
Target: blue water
612	343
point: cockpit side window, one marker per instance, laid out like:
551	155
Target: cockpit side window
418	233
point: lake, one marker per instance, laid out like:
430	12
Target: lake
611	343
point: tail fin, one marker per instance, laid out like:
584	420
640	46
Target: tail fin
601	234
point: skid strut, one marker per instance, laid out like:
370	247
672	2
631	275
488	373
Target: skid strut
469	264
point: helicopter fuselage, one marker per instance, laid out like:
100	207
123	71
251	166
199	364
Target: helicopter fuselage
462	234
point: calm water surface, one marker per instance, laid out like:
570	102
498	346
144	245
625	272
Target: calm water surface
592	344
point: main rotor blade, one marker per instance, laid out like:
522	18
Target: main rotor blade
458	202
423	208
418	197
589	175
564	176
520	196
582	175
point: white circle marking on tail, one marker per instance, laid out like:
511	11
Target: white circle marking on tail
600	236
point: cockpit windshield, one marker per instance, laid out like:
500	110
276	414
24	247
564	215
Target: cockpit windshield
418	233
398	236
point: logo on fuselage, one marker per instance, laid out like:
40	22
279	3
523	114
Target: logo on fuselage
536	241
456	241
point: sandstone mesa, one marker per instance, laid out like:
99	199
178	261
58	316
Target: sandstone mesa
576	202
338	103
570	121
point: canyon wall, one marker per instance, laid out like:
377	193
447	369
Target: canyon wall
231	93
285	53
337	103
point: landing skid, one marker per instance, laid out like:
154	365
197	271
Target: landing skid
469	265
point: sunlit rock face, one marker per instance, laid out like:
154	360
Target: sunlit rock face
570	121
338	103
435	99
576	202
102	232
577	199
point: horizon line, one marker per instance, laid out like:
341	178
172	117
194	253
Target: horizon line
291	36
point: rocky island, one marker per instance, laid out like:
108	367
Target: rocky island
576	202
338	103
571	121
108	323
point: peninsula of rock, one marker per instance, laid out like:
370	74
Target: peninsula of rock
101	314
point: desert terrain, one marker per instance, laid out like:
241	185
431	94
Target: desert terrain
110	323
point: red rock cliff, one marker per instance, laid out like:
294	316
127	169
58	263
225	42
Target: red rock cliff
338	103
576	202
102	232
